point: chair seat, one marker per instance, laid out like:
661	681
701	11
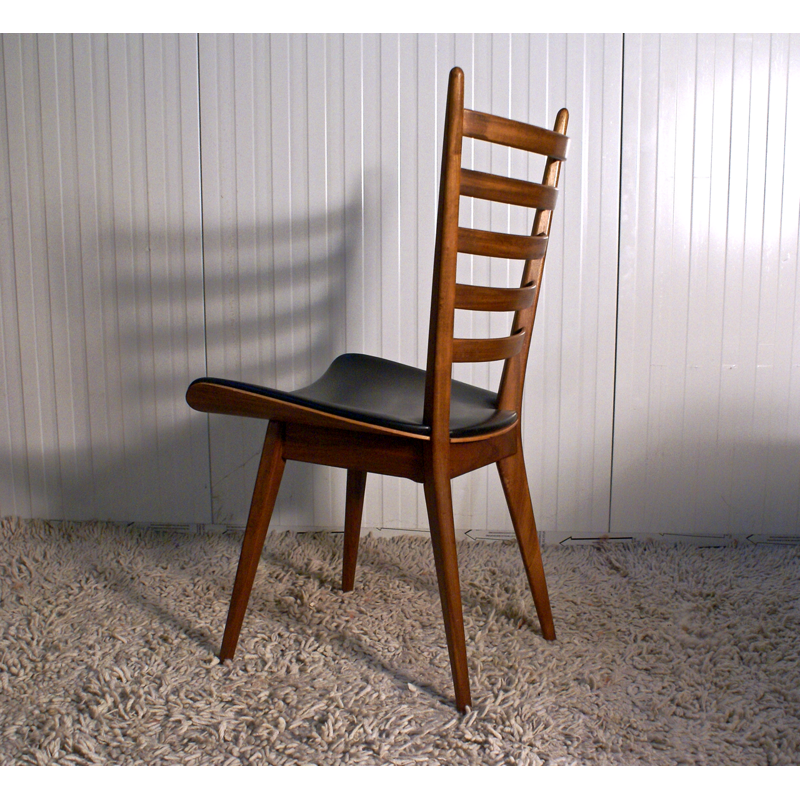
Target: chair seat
381	392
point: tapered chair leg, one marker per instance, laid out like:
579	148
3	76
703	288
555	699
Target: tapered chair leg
439	502
354	504
515	485
268	481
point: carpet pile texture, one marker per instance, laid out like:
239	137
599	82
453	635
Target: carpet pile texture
666	654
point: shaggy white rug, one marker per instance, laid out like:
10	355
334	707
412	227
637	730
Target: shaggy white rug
666	654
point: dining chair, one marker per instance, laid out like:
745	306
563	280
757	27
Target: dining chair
367	414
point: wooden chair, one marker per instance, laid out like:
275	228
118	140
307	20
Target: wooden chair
366	414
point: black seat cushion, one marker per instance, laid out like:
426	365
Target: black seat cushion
380	392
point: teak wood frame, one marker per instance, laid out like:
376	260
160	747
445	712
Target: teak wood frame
307	434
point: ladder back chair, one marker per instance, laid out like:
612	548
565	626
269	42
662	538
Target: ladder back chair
367	414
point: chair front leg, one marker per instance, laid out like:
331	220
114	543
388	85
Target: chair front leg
354	504
268	481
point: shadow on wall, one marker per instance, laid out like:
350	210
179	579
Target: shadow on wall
127	447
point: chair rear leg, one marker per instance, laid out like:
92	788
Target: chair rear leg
354	504
268	481
439	502
515	485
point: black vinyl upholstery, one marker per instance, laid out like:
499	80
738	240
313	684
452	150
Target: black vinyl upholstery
381	392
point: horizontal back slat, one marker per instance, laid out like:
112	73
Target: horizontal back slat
500	189
492	298
459	183
488	349
508	132
501	245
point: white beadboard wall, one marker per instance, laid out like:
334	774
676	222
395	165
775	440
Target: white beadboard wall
707	424
251	206
101	279
320	159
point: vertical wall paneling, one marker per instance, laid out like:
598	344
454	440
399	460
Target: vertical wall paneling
392	319
706	432
351	126
567	430
272	247
252	206
244	308
320	165
103	277
14	482
23	435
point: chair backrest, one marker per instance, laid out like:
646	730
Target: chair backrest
451	239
